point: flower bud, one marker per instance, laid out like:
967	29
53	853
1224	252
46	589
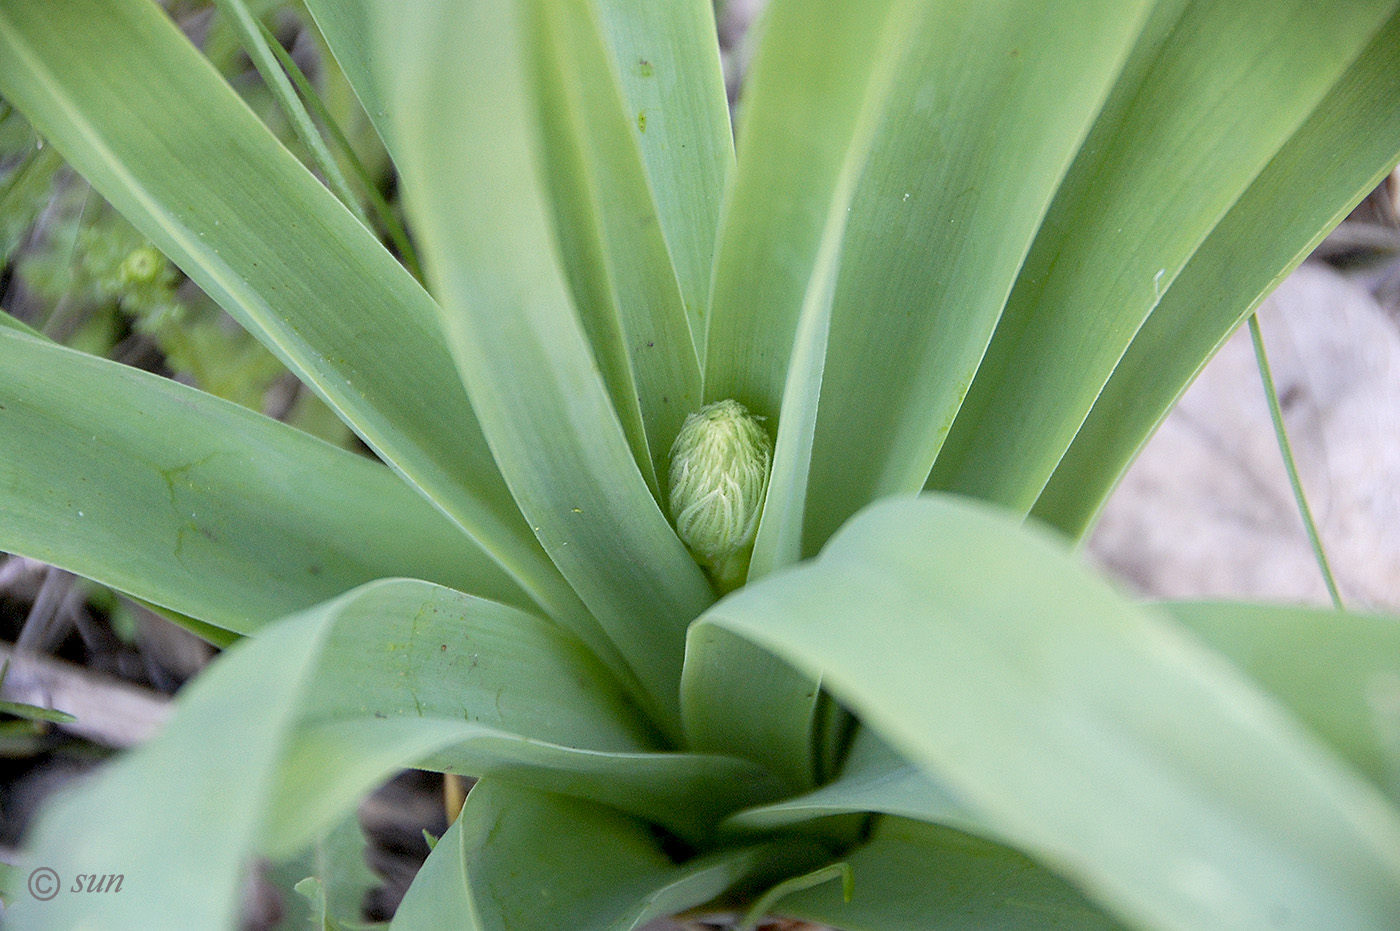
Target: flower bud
144	265
719	473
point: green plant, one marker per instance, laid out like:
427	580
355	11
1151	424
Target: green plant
977	248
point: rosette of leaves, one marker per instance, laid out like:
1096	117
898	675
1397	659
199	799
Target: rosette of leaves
963	258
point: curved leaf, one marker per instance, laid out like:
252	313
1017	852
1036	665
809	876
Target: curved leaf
914	876
520	859
985	115
318	708
413	673
135	818
608	227
874	779
1338	672
469	150
1210	95
199	505
1351	141
131	104
1086	731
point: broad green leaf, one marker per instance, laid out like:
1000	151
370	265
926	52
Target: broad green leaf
984	115
816	72
738	699
413	673
609	232
305	712
212	768
199	505
668	62
789	316
133	106
1207	100
527	859
914	876
1338	672
1088	732
874	779
1339	155
470	163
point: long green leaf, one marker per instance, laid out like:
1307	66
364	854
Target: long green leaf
774	275
667	60
1086	731
774	216
914	876
983	118
199	505
806	324
470	160
874	779
1351	141
1209	97
135	819
519	860
1339	673
131	104
609	232
311	712
414	673
725	679
669	66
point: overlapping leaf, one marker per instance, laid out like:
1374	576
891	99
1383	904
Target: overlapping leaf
1336	158
199	505
471	168
981	121
1213	91
316	709
131	104
609	230
1087	732
519	859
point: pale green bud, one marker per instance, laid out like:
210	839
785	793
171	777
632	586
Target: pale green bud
141	266
719	473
